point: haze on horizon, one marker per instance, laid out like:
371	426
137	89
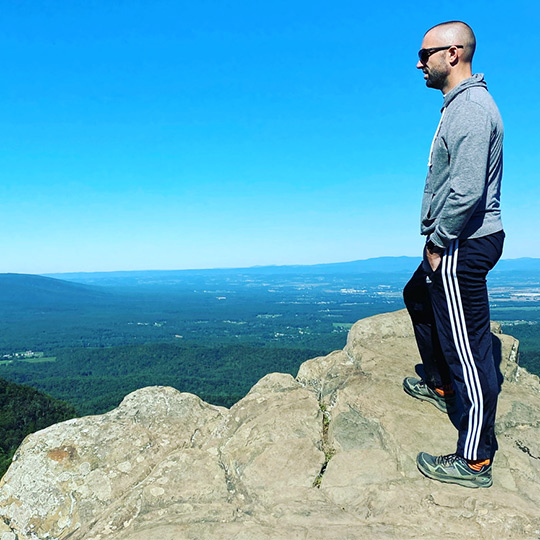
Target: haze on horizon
181	135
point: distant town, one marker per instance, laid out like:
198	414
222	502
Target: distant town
22	355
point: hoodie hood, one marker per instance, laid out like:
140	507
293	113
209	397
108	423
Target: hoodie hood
476	80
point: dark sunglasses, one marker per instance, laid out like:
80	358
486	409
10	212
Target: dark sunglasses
424	54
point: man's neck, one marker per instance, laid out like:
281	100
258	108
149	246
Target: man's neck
455	78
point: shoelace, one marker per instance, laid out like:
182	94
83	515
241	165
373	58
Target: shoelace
447	460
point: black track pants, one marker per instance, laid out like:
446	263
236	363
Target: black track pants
449	309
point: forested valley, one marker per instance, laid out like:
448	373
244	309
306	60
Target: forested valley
87	343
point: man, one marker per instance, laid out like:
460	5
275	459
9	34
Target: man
447	295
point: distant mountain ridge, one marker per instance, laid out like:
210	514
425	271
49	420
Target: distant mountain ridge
92	287
384	265
41	291
379	264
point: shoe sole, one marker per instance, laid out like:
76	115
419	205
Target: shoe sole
464	482
431	400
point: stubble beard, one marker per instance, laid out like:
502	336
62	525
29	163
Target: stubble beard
436	78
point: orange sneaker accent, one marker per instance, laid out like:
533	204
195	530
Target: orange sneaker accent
444	391
477	464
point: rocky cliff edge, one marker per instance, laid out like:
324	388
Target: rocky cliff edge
327	455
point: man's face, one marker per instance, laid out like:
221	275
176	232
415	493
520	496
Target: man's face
436	68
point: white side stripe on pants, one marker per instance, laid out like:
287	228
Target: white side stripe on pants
461	343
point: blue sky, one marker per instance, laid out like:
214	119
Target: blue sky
174	134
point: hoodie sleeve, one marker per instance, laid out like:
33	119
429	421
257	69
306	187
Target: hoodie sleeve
468	143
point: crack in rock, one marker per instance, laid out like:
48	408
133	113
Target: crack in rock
526	449
327	448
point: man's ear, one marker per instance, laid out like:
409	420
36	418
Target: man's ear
453	55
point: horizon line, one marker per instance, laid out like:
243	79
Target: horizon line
251	267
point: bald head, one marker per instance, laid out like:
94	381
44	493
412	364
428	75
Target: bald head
446	55
456	33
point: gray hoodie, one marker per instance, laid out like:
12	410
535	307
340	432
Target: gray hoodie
463	185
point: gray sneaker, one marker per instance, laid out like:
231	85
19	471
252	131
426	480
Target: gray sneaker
453	469
420	390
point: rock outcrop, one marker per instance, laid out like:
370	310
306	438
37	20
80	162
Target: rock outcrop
327	455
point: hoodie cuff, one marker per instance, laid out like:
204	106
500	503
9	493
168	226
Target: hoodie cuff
437	241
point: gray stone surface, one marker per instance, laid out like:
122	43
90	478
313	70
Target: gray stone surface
328	455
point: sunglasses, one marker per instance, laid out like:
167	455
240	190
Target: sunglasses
424	54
